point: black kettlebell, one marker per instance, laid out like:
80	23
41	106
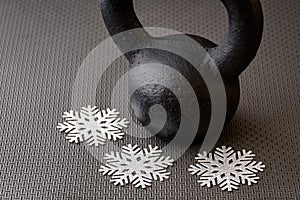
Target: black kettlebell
231	56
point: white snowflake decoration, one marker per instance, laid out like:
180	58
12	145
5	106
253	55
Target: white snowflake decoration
93	126
136	166
226	168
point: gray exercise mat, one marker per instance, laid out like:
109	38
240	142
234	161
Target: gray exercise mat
43	43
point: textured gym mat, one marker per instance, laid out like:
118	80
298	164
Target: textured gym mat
43	43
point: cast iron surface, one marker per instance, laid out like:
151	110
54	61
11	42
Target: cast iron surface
43	43
232	56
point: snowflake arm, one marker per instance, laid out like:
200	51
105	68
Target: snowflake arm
226	168
246	169
136	166
114	164
113	130
92	126
161	173
117	165
158	169
111	125
142	181
206	168
225	179
69	127
109	114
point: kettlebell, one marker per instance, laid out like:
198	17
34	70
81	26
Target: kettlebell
231	56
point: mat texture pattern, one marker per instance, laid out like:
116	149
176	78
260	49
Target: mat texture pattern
43	43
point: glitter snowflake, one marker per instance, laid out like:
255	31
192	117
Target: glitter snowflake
226	168
136	166
93	126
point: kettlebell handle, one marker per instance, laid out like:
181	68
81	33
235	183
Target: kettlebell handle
232	55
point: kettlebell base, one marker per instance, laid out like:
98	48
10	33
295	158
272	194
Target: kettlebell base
149	95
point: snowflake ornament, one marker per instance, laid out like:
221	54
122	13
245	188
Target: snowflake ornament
136	166
93	126
226	168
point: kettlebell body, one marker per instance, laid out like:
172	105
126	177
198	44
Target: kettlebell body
231	57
